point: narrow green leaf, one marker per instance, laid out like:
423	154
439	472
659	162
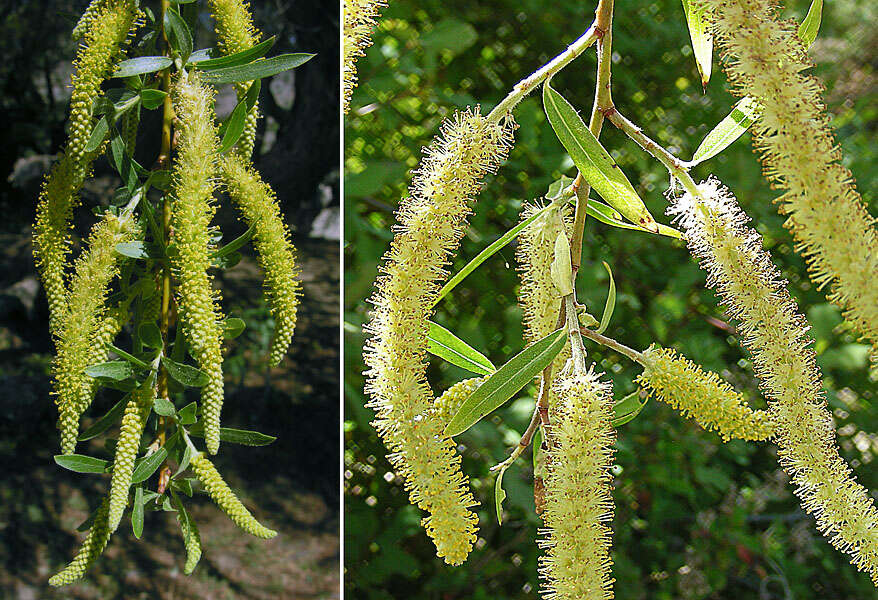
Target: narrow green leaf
611	302
160	179
187	413
702	40
811	23
150	335
129	357
184	461
137	512
733	126
116	370
164	407
506	382
105	422
142	64
536	448
237	436
227	261
233	327
448	346
628	408
184	374
145	467
593	161
239	58
136	249
80	463
235	244
499	495
256	70
233	127
98	134
252	94
178	34
606	214
199	56
182	485
152	98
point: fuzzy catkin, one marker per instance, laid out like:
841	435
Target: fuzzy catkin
85	22
360	17
235	32
192	542
704	396
451	399
827	216
431	223
775	333
277	256
134	418
81	331
91	549
193	184
226	499
109	27
578	501
107	330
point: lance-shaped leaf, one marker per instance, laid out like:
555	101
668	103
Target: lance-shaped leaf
593	161
256	69
611	302
117	370
233	127
448	346
506	382
204	62
182	373
145	467
137	512
628	408
811	23
237	436
142	64
745	111
80	463
702	40
105	422
499	495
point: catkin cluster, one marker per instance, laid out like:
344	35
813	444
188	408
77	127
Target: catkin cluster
766	60
776	335
431	223
194	184
359	19
578	502
277	256
704	396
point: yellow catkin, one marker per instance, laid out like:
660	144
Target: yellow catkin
107	330
95	60
578	502
81	329
431	223
131	430
236	33
766	59
447	404
226	499
192	542
85	22
193	183
277	256
704	396
359	19
91	549
775	333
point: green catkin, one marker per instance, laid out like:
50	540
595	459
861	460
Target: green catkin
85	22
226	499
95	60
360	17
91	549
134	418
704	396
193	187
277	256
192	542
447	404
827	216
236	33
578	501
130	123
431	223
108	329
81	330
776	335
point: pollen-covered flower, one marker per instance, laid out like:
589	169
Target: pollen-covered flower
277	256
81	330
431	224
447	404
91	549
193	184
776	335
704	396
226	499
835	233
578	504
131	430
85	22
359	19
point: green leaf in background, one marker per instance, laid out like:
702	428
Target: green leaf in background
137	512
609	216
150	335
745	111
80	463
233	127
178	34
105	422
237	436
252	94
233	60
596	165
506	382
184	374
135	249
152	98
129	357
811	23
116	370
164	407
236	243
499	495
184	461
233	327
257	69
98	134
187	413
611	301
142	64
628	408
145	467
448	346
702	40
449	35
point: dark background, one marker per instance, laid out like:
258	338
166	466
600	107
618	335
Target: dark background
291	485
695	518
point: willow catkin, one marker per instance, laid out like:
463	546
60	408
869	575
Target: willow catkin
235	32
81	329
85	22
776	335
191	541
91	549
277	256
193	185
431	223
134	418
107	31
359	19
578	502
704	396
453	398
108	328
835	233
226	499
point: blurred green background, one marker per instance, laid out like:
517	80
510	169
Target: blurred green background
695	518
